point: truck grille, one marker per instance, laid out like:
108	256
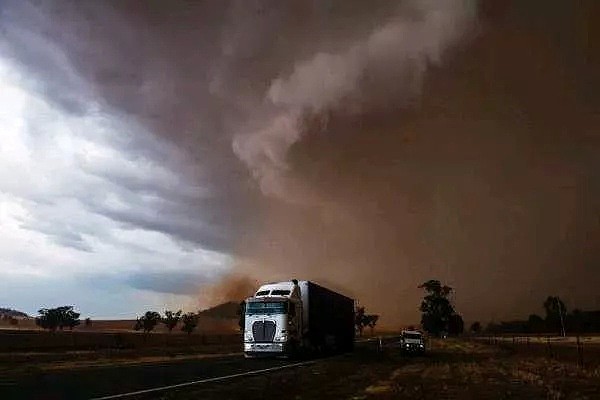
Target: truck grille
263	331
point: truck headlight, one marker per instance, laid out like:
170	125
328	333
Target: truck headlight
248	337
281	338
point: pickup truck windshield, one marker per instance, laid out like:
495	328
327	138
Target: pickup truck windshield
267	307
412	336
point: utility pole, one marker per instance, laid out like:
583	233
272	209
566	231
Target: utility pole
560	313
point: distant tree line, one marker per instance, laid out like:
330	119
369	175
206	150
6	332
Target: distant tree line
65	317
555	320
148	321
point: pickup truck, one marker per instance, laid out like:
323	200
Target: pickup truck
412	342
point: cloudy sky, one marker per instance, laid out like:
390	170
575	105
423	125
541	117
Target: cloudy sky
151	149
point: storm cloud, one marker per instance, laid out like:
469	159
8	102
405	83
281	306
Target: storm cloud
367	145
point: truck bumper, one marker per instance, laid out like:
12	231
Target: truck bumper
264	349
413	349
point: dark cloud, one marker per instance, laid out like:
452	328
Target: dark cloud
174	282
395	141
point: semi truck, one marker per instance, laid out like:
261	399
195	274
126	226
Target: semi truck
287	319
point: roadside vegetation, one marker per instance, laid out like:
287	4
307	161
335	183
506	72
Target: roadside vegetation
557	320
362	320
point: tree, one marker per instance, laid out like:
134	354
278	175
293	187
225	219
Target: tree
138	326
171	319
456	325
359	320
476	327
190	322
436	308
556	313
147	322
371	321
69	318
47	319
362	320
60	317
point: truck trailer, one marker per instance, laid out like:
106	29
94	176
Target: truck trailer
290	318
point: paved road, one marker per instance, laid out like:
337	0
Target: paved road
92	382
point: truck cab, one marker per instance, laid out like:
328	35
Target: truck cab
285	318
412	341
273	320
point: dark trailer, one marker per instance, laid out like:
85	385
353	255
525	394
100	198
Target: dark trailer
330	318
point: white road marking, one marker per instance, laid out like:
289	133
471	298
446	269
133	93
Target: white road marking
208	380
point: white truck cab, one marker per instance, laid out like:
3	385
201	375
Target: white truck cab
273	319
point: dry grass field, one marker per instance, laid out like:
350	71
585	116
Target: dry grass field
453	369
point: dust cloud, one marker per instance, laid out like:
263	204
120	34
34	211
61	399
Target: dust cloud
233	287
485	180
414	37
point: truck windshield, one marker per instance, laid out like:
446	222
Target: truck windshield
267	307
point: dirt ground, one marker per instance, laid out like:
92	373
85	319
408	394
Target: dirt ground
453	369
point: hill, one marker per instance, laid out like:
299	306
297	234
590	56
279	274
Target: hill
229	310
8	312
